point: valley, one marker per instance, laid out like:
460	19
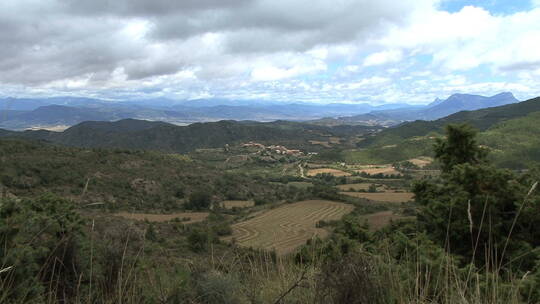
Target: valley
279	196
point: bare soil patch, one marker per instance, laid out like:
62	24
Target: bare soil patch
287	227
193	216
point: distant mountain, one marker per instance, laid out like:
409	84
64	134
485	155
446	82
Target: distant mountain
146	135
465	102
453	104
481	119
437	109
21	113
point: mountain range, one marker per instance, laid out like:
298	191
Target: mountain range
435	110
62	112
19	114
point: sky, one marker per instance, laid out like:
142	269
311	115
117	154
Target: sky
322	51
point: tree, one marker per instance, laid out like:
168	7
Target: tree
476	209
459	147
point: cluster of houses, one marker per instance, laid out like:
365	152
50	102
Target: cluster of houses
274	148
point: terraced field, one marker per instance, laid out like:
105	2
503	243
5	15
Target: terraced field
287	227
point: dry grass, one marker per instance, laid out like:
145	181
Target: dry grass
390	197
237	204
287	227
334	172
193	216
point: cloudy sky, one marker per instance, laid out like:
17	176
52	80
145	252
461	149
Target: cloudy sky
377	51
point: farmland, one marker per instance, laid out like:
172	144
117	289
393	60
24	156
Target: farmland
186	217
386	170
334	172
391	197
356	187
287	227
237	204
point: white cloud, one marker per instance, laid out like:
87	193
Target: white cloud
471	37
383	57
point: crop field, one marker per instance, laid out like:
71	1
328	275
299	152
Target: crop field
287	227
238	204
390	197
382	170
334	172
186	217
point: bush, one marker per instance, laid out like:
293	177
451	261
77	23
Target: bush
199	200
40	240
198	240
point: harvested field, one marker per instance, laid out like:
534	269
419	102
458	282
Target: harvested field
237	204
390	197
193	216
334	172
421	161
378	220
287	227
381	170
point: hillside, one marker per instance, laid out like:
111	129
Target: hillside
481	119
510	132
137	134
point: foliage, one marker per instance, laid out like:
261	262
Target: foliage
477	210
459	147
199	200
39	241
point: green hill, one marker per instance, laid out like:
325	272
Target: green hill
514	143
145	135
480	119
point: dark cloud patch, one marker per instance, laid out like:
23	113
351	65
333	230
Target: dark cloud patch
522	66
45	41
147	8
